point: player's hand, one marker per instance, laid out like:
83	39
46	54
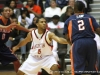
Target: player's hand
14	49
13	25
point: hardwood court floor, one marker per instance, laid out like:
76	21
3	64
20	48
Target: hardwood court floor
7	73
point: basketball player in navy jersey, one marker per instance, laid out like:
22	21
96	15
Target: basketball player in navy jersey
40	55
6	55
79	30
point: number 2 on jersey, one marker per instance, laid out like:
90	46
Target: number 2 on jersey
3	36
39	51
81	25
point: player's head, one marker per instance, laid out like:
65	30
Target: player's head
41	23
14	20
79	7
5	12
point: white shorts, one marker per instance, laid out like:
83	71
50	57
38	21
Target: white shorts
32	65
55	55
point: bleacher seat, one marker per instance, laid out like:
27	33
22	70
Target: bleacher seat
1	6
19	6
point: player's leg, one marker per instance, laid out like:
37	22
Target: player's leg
20	73
78	55
31	66
98	60
55	70
8	57
92	58
50	65
16	65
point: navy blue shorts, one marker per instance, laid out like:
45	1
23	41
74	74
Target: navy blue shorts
84	56
6	55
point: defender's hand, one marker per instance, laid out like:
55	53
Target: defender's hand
14	49
13	25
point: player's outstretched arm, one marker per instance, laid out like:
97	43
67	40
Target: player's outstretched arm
22	28
22	43
61	40
9	27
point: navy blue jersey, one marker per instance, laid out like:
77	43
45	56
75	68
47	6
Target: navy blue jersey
4	35
80	26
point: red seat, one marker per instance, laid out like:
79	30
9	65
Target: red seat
1	6
19	6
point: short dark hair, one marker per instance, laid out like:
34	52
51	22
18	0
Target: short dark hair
38	18
79	6
4	8
55	17
23	10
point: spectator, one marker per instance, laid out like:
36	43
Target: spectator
25	18
60	3
47	3
67	14
70	3
52	10
55	23
12	4
33	8
40	3
33	23
12	15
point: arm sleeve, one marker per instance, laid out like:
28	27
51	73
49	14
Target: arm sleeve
65	31
94	23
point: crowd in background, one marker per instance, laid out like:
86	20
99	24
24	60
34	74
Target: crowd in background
56	13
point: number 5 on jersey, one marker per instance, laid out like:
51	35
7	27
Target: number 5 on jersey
39	51
81	25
